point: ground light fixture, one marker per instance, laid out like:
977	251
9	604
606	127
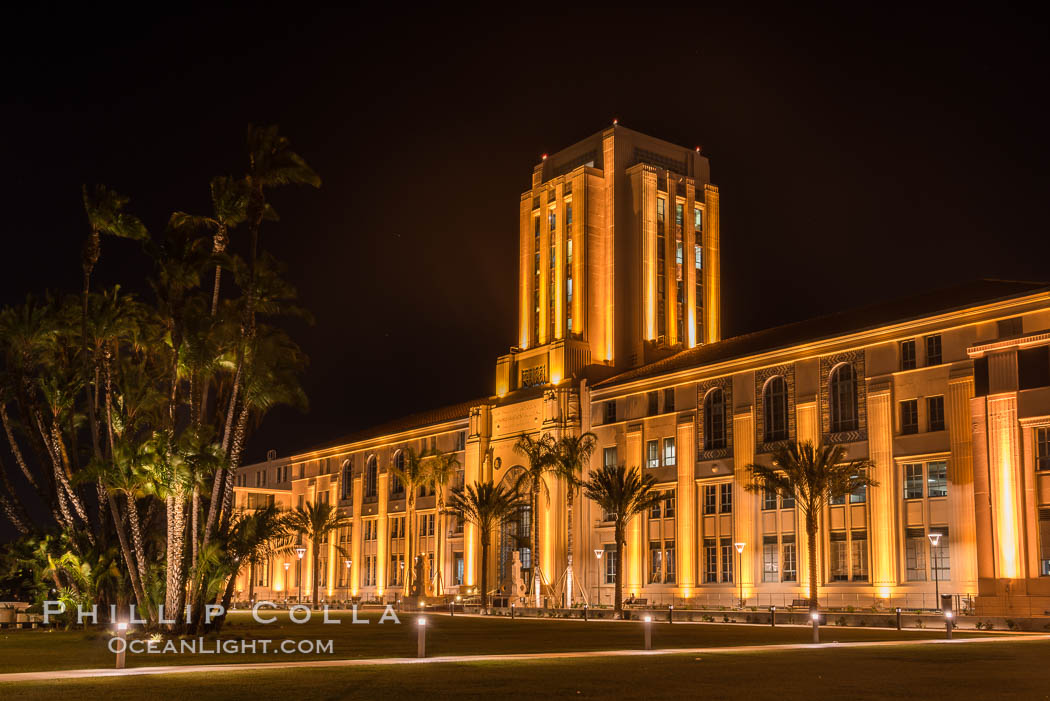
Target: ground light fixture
300	551
948	624
122	635
421	637
648	620
816	625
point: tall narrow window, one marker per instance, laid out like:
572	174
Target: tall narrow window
910	416
1042	449
656	563
769	499
935	413
710	561
775	403
727	559
915	554
669	562
842	388
933	350
610	412
725	500
397	487
789	558
669	452
908	355
1044	542
937	479
669	399
653	399
837	556
371	477
940	556
913	481
652	454
858	542
609	456
610	564
770	559
710	501
714	420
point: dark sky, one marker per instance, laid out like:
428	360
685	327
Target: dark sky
859	157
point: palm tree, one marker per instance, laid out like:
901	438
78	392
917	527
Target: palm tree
487	506
812	476
413	474
571	453
441	468
539	453
315	523
623	493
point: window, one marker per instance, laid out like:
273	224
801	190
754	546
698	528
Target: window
933	350
457	569
770	559
913	481
842	388
679	214
935	413
370	571
552	218
787	501
348	480
1042	449
709	498
656	562
908	355
915	555
397	488
669	452
461	440
654	510
609	457
669	571
568	214
769	499
610	412
859	494
652	454
669	503
653	399
937	479
725	501
859	555
1044	542
727	559
789	559
661	208
837	557
610	564
714	420
910	416
940	556
371	478
669	399
710	561
775	402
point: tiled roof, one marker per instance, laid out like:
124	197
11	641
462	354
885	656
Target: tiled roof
452	412
840	323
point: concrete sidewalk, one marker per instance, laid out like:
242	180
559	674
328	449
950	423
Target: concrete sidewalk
55	675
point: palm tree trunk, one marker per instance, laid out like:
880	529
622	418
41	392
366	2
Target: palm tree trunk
313	569
485	536
195	503
536	541
811	545
136	536
175	592
618	588
133	570
251	581
568	539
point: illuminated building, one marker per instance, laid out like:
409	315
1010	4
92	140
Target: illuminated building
947	393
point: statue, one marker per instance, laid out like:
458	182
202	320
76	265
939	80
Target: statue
417	577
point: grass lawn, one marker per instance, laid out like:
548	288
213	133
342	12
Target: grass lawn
40	650
1000	670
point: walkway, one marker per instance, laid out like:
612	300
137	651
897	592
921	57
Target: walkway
383	661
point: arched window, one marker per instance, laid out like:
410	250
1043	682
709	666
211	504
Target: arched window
347	490
371	477
775	403
842	395
715	420
397	488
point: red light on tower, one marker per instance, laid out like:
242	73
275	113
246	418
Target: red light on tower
544	156
615	122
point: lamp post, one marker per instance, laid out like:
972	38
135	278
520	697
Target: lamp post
421	638
348	563
740	569
300	551
816	625
948	616
598	552
287	566
122	635
648	632
935	561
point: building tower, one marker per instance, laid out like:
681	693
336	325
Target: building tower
618	259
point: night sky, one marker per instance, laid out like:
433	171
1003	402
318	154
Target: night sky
858	157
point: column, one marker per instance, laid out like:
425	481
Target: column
383	540
1003	466
685	514
963	529
357	534
808	429
744	511
882	500
712	267
634	555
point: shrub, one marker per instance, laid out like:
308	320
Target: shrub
840	621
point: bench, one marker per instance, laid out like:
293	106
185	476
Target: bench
637	603
800	603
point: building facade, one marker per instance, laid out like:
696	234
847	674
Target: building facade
947	394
